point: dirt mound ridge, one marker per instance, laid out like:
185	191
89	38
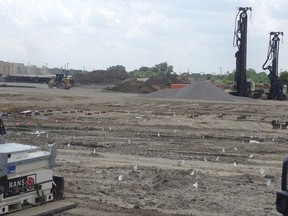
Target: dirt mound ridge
197	90
132	85
101	77
162	82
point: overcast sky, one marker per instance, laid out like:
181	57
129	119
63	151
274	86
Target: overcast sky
95	34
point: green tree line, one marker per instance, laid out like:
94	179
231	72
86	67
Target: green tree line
161	69
228	78
164	69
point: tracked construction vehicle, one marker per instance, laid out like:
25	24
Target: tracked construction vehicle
61	81
27	180
244	87
277	89
241	86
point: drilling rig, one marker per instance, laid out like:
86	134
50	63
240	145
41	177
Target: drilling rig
277	90
241	85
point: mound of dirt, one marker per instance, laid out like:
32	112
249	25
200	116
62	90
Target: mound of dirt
162	82
132	85
102	77
197	90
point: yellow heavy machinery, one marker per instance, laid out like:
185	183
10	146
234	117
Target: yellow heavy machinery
61	81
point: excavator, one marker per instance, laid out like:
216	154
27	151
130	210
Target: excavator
61	81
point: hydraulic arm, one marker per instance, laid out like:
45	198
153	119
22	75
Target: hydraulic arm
271	64
240	41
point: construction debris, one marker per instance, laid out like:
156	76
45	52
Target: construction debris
279	125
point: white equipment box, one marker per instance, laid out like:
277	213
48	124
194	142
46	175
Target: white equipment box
26	176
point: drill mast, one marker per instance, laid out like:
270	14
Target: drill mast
276	87
240	41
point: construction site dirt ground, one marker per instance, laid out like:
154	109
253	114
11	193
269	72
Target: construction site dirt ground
229	149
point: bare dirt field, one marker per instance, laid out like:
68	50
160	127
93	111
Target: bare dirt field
122	154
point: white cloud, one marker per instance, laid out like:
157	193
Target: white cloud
97	34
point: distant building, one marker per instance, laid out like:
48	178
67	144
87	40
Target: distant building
19	69
8	69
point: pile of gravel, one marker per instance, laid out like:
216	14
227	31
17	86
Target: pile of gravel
197	90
